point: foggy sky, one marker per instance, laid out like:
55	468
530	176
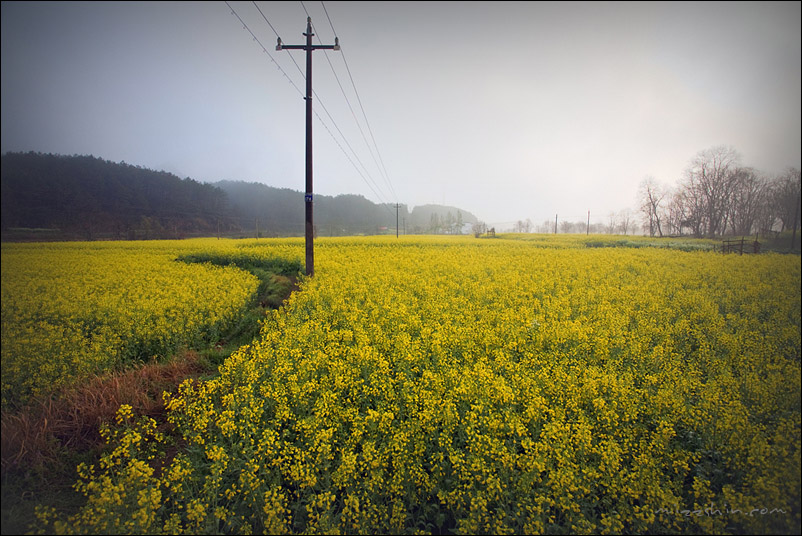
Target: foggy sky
508	110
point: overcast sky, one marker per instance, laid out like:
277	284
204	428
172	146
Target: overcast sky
508	110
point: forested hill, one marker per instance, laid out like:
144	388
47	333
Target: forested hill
280	210
52	197
87	197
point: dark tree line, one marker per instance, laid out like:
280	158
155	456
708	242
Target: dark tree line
280	211
89	197
717	196
83	197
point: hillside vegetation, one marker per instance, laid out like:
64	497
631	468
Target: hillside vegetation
55	197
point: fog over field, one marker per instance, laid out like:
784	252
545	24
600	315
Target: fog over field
512	111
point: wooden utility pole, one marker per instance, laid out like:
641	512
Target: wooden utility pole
309	47
396	219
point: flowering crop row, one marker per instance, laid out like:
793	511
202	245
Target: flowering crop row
71	310
485	386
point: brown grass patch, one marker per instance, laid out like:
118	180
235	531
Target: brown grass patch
35	435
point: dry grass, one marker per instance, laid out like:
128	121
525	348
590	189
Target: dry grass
37	435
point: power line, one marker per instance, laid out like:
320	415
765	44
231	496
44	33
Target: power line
381	168
383	202
359	100
345	139
308	197
245	26
353	114
338	79
277	35
348	102
268	22
264	49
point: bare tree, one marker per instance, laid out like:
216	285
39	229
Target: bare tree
676	215
766	219
749	195
523	226
596	228
786	198
651	196
566	227
717	196
707	190
612	223
691	206
625	220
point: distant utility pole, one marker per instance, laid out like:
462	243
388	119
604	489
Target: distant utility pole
555	224
309	47
396	219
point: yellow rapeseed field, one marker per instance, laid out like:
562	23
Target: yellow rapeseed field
454	384
71	310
